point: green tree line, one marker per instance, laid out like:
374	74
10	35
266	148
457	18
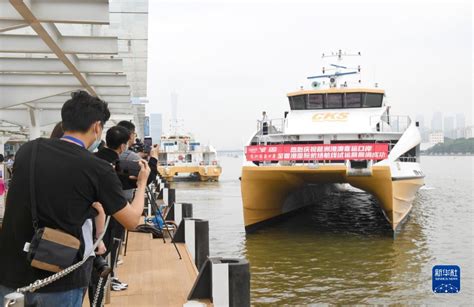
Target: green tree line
453	146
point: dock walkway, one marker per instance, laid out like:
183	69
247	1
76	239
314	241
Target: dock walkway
154	274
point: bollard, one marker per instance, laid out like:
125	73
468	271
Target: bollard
178	212
225	281
14	299
195	234
171	197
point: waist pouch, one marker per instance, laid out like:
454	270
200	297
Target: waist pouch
52	250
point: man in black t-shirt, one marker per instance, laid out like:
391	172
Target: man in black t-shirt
68	179
116	143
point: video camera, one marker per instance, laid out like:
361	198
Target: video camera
140	146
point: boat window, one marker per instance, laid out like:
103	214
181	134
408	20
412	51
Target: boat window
298	102
315	101
372	100
353	100
334	101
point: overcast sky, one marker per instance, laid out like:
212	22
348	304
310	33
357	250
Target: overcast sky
229	60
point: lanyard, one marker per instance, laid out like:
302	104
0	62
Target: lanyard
74	140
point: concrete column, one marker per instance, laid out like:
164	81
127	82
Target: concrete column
34	124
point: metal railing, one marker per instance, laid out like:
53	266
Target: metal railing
271	126
392	123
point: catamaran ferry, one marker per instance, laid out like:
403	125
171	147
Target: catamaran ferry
182	155
336	133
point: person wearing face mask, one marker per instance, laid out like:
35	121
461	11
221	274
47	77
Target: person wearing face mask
129	186
68	178
116	143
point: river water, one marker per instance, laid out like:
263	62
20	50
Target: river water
338	251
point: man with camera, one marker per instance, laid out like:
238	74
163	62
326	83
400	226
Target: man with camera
116	143
67	180
129	155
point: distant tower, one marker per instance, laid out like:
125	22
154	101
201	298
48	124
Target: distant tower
174	114
156	127
449	127
460	121
437	122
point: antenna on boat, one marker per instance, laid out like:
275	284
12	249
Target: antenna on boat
339	70
174	122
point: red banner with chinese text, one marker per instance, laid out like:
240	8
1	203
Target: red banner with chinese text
312	152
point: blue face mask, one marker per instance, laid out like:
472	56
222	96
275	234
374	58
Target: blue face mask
94	146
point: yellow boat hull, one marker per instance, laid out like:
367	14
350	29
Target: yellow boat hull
266	189
204	173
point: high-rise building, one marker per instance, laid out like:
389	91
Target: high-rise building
460	121
156	127
448	127
437	122
436	137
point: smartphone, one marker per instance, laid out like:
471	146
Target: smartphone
148	144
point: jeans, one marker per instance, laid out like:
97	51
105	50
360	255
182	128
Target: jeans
71	298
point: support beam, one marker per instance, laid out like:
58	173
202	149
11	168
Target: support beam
29	116
60	99
17	95
61	11
38	79
12	64
15	43
59	105
16	117
9	25
54	41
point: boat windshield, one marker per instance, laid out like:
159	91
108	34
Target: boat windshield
335	101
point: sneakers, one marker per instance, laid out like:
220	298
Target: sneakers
117	285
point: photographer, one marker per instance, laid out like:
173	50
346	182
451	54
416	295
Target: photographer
128	185
116	143
68	179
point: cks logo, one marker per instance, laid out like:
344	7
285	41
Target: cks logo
337	116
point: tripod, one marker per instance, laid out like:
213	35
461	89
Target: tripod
152	200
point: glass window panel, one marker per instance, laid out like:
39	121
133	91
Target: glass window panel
315	101
373	100
353	100
298	102
334	101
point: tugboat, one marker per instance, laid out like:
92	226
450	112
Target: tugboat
181	154
336	132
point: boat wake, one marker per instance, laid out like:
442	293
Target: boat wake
427	188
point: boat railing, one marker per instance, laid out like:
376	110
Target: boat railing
271	126
391	123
